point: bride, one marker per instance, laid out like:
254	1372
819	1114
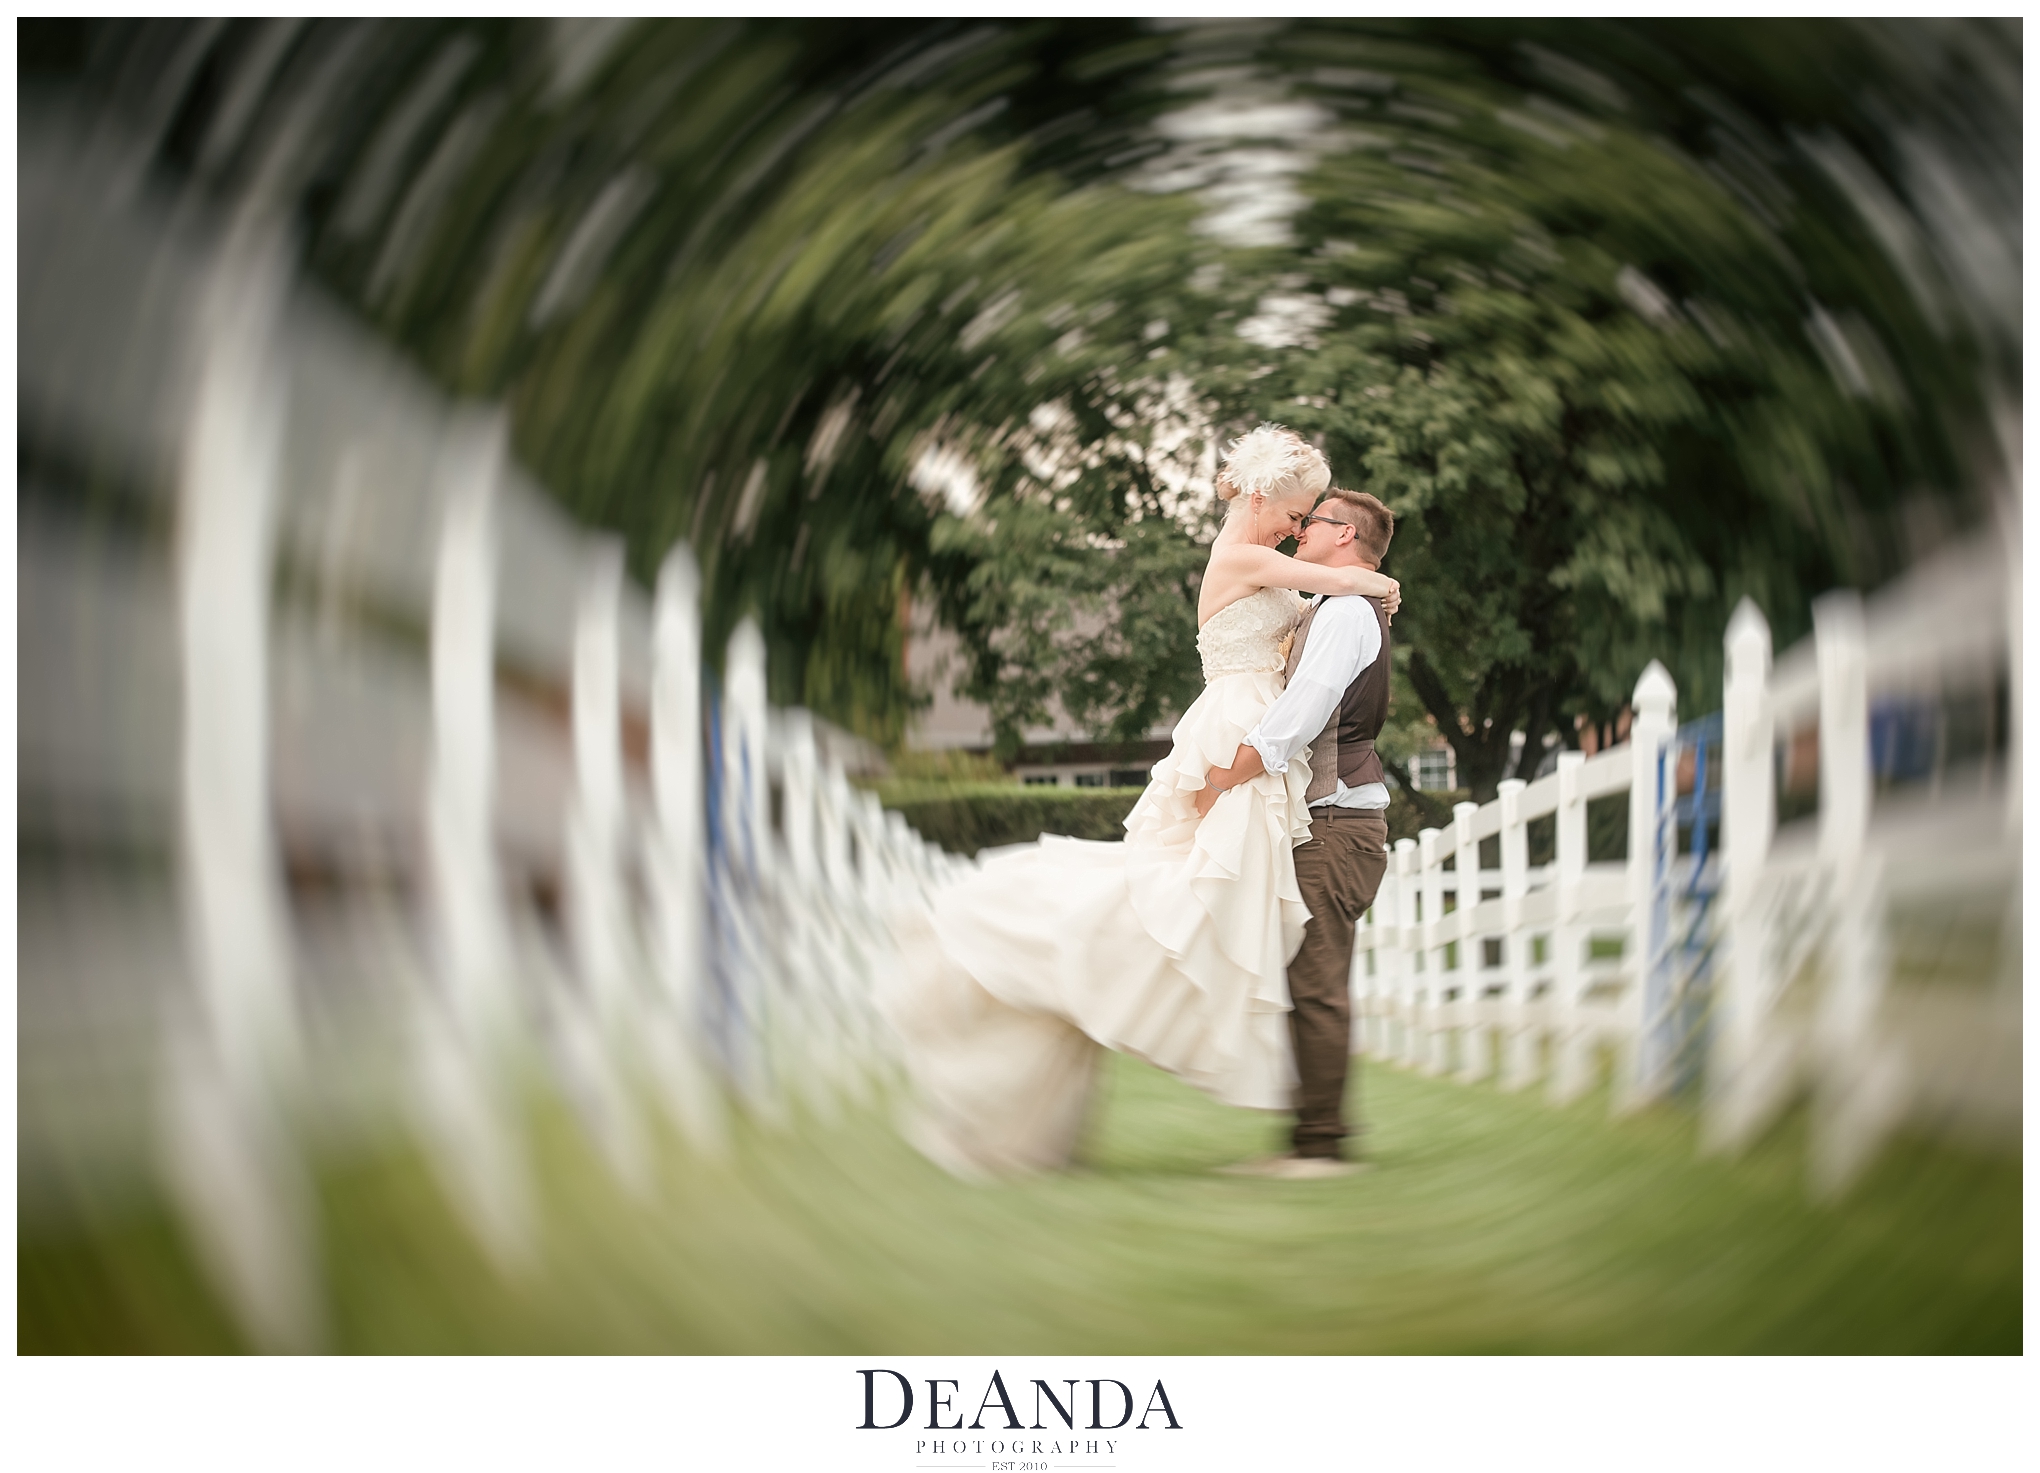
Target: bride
1171	946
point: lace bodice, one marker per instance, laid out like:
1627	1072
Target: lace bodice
1249	635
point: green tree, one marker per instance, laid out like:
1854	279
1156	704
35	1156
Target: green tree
1073	582
735	283
1626	320
1591	382
1610	385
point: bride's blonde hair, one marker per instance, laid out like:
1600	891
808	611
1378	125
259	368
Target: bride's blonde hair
1275	461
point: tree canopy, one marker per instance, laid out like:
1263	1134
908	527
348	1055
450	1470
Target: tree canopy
1606	394
1624	320
1609	386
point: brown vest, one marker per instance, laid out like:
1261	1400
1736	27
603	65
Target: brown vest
1344	750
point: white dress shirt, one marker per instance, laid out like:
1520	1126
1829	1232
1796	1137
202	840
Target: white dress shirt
1344	640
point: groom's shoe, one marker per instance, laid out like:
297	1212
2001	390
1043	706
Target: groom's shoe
1294	1168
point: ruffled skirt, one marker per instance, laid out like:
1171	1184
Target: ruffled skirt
1171	946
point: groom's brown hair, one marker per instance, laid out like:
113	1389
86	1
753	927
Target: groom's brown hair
1373	524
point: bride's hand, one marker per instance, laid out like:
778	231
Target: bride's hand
1369	584
1206	799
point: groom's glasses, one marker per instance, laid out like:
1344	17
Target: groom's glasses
1328	521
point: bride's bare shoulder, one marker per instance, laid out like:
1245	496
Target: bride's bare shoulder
1233	573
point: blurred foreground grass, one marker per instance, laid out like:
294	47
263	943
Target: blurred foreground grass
1490	1223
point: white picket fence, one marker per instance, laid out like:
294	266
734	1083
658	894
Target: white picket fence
1507	974
1869	954
369	790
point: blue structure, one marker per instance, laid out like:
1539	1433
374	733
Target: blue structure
1681	964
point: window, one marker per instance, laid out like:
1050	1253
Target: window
1129	777
1039	780
1091	779
1432	771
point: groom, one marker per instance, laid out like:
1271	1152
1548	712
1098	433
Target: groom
1331	708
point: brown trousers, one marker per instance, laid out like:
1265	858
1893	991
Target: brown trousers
1338	871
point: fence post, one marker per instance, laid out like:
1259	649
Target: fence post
595	1026
1653	844
595	896
799	770
468	1111
1361	978
1738	1085
1473	1034
1407	944
745	785
1844	729
745	811
231	873
229	1161
1570	1043
1519	1058
678	851
678	800
1858	1091
466	882
1372	979
1432	1039
1844	809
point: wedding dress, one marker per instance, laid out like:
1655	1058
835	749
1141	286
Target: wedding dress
1171	946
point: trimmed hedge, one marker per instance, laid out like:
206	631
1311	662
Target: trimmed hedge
966	817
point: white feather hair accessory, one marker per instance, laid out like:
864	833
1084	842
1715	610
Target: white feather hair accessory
1265	457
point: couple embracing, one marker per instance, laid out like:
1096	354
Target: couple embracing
1216	941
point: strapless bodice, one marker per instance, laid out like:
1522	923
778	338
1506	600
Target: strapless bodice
1249	635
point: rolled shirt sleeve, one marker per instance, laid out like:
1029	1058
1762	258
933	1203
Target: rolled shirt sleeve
1344	640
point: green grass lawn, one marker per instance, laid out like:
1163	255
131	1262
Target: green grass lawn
1488	1223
